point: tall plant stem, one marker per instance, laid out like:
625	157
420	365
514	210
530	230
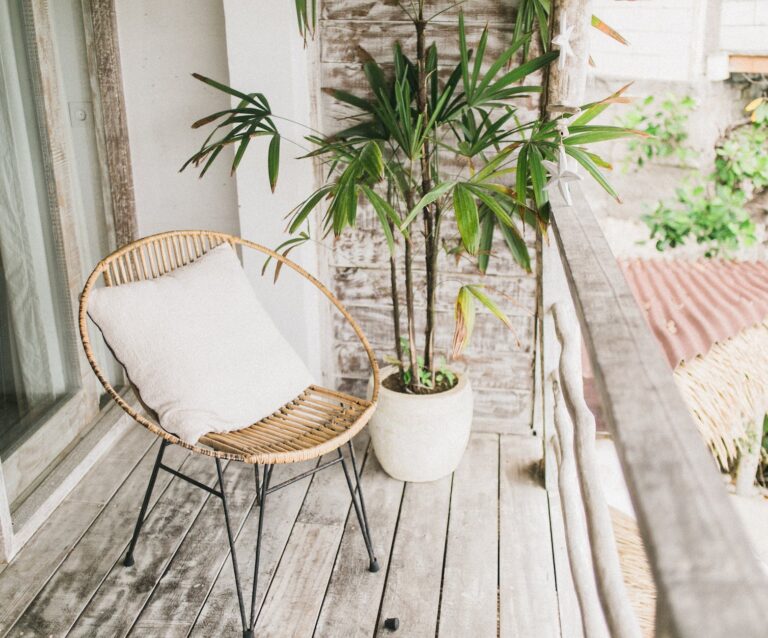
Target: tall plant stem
415	378
395	306
426	185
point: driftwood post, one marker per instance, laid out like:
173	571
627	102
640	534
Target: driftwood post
568	75
610	581
577	538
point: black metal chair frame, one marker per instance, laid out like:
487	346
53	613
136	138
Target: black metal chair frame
263	489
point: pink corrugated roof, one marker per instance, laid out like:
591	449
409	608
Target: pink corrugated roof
689	305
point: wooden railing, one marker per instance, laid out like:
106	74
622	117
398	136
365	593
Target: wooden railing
707	580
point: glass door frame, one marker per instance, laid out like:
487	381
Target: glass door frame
71	418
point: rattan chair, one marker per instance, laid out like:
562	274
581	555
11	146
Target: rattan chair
316	422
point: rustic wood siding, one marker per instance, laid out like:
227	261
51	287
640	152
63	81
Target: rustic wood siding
501	371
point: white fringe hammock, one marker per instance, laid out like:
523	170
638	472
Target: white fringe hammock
726	388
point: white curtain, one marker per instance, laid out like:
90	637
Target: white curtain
23	316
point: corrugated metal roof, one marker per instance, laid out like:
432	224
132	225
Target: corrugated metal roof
690	305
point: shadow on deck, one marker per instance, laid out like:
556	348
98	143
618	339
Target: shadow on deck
474	554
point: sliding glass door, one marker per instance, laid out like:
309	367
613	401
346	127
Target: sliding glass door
54	225
35	367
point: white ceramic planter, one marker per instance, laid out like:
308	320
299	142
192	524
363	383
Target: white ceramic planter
421	437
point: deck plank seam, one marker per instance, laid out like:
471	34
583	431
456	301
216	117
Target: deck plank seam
558	584
167	567
149	513
445	556
285	547
368	451
215	580
389	560
224	561
498	540
55	569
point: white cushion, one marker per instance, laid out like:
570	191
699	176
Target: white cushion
199	347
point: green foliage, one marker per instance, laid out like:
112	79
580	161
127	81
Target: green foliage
388	159
765	433
758	110
713	212
666	123
742	158
718	221
306	17
444	376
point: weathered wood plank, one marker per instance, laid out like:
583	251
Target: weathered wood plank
296	592
412	591
58	605
359	284
470	584
34	565
488	336
116	604
527	589
111	104
698	550
351	603
342	42
220	615
178	598
482	11
349	249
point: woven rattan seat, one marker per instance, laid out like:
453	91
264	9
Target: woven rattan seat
317	421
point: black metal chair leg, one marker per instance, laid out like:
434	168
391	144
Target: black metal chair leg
356	492
248	631
231	539
128	561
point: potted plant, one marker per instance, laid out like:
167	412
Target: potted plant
433	150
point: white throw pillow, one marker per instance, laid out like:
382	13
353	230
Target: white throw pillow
199	347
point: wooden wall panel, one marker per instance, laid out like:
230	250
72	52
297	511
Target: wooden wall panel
501	370
478	11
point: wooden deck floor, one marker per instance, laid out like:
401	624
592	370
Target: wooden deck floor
475	554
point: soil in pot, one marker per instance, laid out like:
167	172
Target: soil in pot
395	383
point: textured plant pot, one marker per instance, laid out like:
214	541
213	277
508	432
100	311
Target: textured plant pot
421	437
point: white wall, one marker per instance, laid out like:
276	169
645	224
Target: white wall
161	44
667	39
744	26
266	54
246	44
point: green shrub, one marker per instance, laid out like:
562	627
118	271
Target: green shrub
713	211
742	159
719	221
666	122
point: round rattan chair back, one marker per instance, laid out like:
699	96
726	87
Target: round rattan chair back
159	254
